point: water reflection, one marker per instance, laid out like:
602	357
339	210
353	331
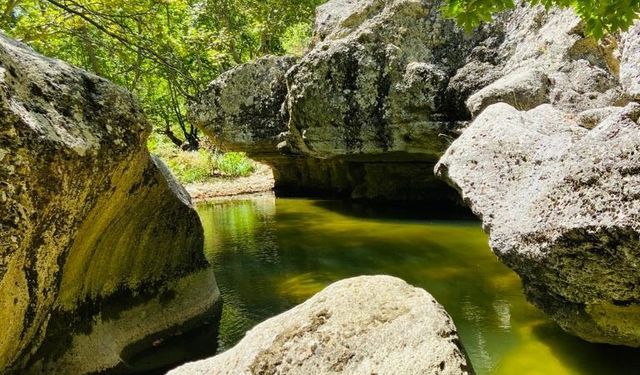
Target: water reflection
271	254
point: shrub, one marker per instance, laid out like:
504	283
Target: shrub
236	164
201	165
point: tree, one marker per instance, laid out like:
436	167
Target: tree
600	16
166	51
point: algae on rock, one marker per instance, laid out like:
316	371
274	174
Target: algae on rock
88	217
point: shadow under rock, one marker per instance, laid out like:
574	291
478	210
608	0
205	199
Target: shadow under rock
588	358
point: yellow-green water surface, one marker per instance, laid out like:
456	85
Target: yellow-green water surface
272	254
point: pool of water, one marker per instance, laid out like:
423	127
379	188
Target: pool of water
271	254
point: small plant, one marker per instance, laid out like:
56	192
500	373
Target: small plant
235	164
191	166
202	165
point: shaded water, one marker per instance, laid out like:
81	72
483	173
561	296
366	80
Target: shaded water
270	255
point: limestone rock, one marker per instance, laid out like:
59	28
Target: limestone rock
630	62
375	81
91	225
523	89
534	56
242	108
562	206
363	325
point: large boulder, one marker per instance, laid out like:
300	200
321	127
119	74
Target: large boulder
394	81
376	79
101	250
562	206
243	108
369	97
543	56
364	325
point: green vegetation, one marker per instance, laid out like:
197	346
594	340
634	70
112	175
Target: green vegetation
235	164
201	165
600	16
165	51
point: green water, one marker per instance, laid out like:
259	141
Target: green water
271	254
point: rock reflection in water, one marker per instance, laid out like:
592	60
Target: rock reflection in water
271	254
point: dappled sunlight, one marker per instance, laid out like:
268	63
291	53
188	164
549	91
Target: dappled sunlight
299	287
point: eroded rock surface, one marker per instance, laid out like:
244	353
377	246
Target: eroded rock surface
372	90
543	57
562	205
393	81
376	79
363	325
243	108
630	60
94	232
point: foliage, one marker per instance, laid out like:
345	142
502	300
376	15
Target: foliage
297	38
202	165
187	166
166	51
600	16
235	164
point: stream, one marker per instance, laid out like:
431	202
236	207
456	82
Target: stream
271	254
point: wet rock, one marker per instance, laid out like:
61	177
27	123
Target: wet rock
363	325
101	248
562	206
379	181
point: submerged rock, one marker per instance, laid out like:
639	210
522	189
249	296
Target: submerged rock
562	205
101	249
363	325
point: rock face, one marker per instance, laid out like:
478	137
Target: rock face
552	169
375	81
562	205
364	325
629	72
101	249
244	106
372	92
393	81
535	56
